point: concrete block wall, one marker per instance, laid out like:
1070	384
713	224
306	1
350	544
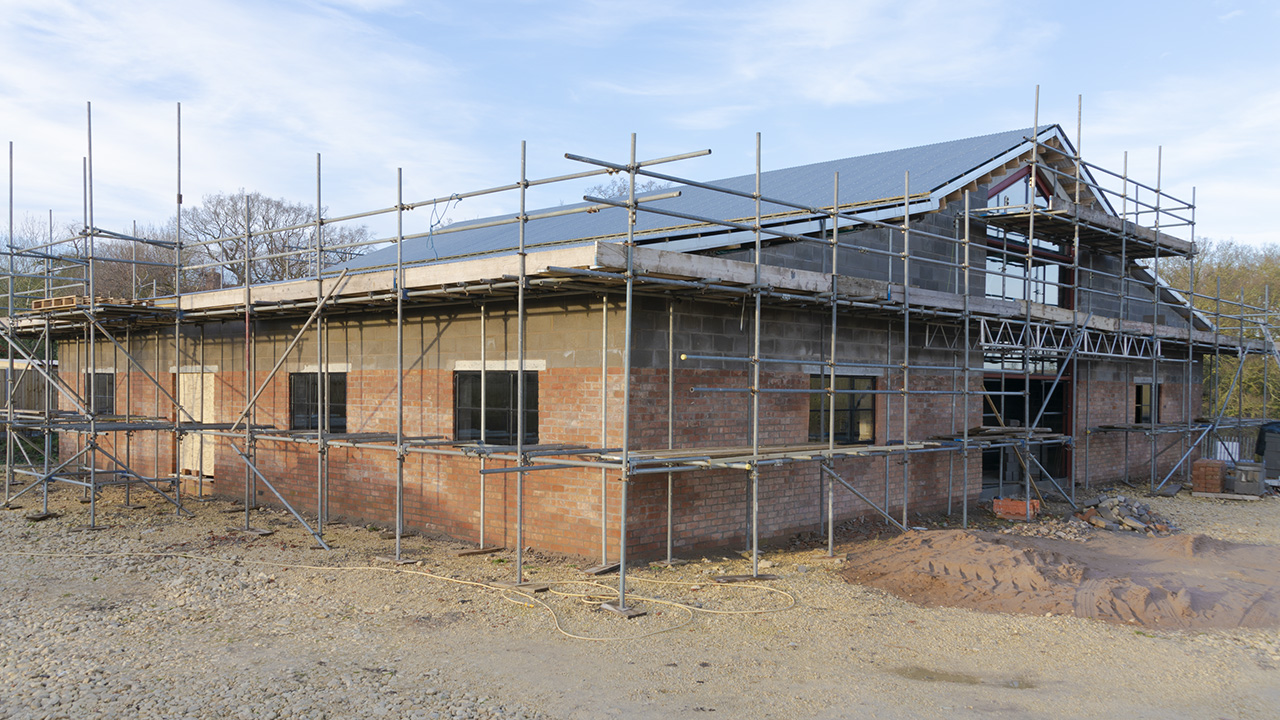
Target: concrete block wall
935	237
1101	294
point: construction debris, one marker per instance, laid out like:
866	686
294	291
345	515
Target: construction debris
1125	514
1069	529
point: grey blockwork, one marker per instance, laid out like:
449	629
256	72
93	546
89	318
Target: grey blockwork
801	335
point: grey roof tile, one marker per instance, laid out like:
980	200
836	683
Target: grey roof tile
862	179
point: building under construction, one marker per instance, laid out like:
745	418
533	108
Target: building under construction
705	364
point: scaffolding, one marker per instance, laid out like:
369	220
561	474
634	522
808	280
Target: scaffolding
1043	290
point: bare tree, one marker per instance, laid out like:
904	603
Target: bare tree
147	269
281	242
620	186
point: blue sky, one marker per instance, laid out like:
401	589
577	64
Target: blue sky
447	90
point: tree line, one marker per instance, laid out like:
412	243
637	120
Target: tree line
1227	274
281	244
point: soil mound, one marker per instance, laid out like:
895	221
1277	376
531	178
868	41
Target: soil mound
1186	581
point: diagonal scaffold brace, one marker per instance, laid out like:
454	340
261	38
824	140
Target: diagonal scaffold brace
249	463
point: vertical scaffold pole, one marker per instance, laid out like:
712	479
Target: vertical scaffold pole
322	377
484	411
628	312
520	383
671	438
177	331
755	384
964	503
93	341
831	365
604	427
1075	299
400	451
1155	322
48	394
1266	358
1027	296
8	432
1191	317
249	479
906	340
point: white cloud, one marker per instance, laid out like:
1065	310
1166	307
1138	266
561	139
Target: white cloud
447	91
832	52
1217	136
253	79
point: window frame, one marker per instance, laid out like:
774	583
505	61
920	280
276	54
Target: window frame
99	385
304	412
861	406
1145	412
466	417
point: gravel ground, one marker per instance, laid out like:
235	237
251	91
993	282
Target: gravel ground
114	623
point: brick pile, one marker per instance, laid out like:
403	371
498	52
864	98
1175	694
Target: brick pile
1208	476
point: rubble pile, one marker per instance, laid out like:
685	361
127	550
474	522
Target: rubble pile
1127	514
1069	529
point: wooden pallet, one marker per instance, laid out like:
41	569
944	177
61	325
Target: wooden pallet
56	302
69	301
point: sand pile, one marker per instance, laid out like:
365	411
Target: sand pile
1187	581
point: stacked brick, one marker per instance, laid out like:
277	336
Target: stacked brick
1208	476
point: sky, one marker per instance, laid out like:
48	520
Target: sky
447	92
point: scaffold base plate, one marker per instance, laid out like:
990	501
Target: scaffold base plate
673	562
393	559
601	569
626	612
37	517
531	587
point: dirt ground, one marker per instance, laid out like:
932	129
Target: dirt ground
1186	582
164	617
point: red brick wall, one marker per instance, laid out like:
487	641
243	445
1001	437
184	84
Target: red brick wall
562	508
711	508
1100	456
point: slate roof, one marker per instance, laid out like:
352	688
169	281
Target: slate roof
863	179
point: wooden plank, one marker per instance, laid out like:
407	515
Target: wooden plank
379	281
727	579
528	587
1225	496
480	551
652	261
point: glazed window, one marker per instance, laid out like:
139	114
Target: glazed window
499	406
307	401
100	392
1146	400
854	411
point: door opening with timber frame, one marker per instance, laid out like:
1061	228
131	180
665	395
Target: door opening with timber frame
195	451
